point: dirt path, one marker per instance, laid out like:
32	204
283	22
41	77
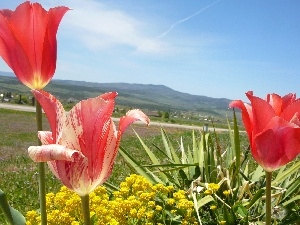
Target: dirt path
159	124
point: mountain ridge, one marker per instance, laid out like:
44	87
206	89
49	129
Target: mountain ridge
145	96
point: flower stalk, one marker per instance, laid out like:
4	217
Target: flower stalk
85	202
41	168
268	197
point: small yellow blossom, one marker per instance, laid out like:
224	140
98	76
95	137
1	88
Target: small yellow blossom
134	203
158	208
226	192
214	187
213	207
170	201
208	192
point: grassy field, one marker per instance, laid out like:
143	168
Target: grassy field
19	176
18	173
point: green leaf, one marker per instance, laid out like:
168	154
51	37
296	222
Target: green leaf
201	157
12	215
169	148
229	153
292	200
256	197
229	216
152	157
203	201
241	210
237	147
292	188
177	166
195	149
258	173
260	223
138	168
286	173
110	187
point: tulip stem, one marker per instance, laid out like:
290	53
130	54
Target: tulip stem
41	168
268	197
85	202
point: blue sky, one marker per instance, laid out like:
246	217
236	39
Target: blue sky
217	48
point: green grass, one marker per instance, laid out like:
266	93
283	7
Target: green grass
18	173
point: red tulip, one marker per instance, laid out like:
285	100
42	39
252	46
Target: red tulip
84	142
28	42
273	128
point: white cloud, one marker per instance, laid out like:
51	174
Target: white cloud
98	27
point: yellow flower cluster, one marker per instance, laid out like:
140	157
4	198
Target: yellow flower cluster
211	188
136	202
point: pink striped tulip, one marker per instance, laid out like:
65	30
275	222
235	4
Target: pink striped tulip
273	128
84	142
28	42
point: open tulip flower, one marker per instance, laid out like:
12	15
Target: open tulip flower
84	142
28	42
273	127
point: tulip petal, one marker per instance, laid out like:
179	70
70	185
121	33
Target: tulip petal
46	137
276	102
288	99
246	115
31	19
277	145
106	155
50	44
291	111
28	42
89	129
74	175
11	51
52	152
54	112
6	13
87	124
108	151
40	45
132	116
262	113
108	96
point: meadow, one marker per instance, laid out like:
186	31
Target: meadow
19	176
18	173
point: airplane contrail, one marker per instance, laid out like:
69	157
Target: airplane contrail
185	19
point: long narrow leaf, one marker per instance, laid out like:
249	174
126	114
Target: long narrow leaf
184	158
256	197
171	165
201	157
138	168
237	147
12	215
152	157
110	187
230	154
286	173
195	149
203	201
257	174
169	148
292	200
292	188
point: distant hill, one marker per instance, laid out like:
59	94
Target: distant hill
8	74
144	96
